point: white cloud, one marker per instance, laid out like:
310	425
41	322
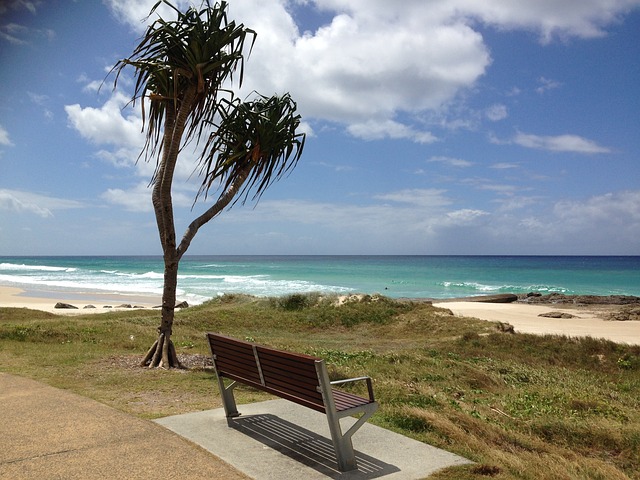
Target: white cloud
4	137
135	13
549	18
427	220
546	84
119	131
374	130
453	162
375	60
360	70
622	209
426	198
138	197
27	202
504	166
465	216
496	112
17	34
559	143
107	125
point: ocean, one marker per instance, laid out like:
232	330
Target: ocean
438	277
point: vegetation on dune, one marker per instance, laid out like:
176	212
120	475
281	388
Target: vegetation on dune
520	406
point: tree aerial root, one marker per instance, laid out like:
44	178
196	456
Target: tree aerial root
162	354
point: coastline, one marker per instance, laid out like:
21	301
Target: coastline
588	320
45	300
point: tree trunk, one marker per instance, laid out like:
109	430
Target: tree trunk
163	353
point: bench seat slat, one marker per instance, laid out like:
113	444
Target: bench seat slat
345	400
250	374
294	377
314	403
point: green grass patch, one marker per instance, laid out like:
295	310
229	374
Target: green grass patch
520	406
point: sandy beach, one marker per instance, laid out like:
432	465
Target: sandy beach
47	300
588	320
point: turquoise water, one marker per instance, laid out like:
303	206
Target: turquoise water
204	277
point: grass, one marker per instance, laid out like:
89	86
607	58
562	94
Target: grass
520	406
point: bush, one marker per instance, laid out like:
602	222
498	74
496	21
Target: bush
295	301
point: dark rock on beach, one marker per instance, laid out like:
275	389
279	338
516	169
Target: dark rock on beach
67	306
626	313
562	299
498	298
557	315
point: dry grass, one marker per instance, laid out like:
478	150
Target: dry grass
520	406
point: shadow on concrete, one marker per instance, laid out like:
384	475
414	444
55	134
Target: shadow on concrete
305	446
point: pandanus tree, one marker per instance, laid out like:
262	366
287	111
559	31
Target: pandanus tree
183	69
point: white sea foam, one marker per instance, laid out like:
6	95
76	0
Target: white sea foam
34	268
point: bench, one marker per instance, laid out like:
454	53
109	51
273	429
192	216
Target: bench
300	378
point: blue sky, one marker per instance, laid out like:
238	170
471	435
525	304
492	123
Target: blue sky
449	127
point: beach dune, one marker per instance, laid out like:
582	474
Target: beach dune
587	321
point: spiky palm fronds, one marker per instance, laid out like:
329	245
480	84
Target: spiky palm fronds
254	144
196	53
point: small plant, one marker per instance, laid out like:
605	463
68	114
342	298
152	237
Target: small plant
295	301
628	362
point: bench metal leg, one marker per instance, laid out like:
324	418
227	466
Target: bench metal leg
228	400
342	441
342	445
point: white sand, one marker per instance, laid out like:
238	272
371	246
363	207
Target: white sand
46	301
525	319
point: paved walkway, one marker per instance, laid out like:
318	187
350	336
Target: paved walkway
48	433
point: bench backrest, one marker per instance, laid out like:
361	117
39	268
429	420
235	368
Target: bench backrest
293	376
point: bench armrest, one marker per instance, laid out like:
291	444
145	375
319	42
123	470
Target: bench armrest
357	379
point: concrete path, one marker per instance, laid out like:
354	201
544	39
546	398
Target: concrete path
280	440
48	433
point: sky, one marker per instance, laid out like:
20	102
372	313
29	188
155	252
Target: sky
441	127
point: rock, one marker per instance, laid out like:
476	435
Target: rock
560	298
178	305
498	298
65	305
138	306
89	306
124	305
534	294
626	313
557	315
505	327
107	306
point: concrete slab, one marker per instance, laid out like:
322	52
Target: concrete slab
280	440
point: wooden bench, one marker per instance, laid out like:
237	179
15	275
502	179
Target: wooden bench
300	378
